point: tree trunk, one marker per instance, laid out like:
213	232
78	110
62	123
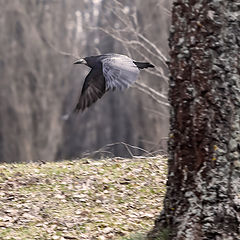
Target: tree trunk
34	78
202	199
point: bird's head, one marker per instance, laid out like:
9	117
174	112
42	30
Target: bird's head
80	61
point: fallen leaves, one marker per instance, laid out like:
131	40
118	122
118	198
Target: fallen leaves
84	199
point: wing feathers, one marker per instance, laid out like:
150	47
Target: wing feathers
93	89
119	71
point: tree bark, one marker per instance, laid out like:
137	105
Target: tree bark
203	199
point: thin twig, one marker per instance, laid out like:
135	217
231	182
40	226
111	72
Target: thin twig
126	145
151	90
59	51
156	112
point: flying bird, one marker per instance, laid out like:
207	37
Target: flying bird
108	72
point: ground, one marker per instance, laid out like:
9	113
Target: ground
81	199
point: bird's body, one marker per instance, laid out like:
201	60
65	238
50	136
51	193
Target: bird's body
108	72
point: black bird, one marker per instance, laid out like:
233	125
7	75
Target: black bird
108	72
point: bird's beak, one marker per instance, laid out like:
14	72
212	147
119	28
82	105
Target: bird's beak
80	61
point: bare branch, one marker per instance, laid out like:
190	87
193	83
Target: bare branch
151	95
152	91
164	59
147	41
130	44
157	112
127	146
159	70
59	51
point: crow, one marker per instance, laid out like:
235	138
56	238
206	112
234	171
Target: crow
108	72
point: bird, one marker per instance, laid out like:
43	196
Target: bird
108	72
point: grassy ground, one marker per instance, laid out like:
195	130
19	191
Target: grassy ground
82	199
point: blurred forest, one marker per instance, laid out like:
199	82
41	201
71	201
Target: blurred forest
39	83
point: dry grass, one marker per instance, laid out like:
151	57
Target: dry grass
82	199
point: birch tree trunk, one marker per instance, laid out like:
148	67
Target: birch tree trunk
203	199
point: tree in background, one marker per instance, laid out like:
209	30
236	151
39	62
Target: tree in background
202	199
131	117
39	84
32	80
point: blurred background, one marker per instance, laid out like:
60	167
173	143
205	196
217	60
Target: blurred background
39	40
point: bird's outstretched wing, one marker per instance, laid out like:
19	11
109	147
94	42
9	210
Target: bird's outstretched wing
119	71
92	90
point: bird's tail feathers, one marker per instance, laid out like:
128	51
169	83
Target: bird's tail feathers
142	65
